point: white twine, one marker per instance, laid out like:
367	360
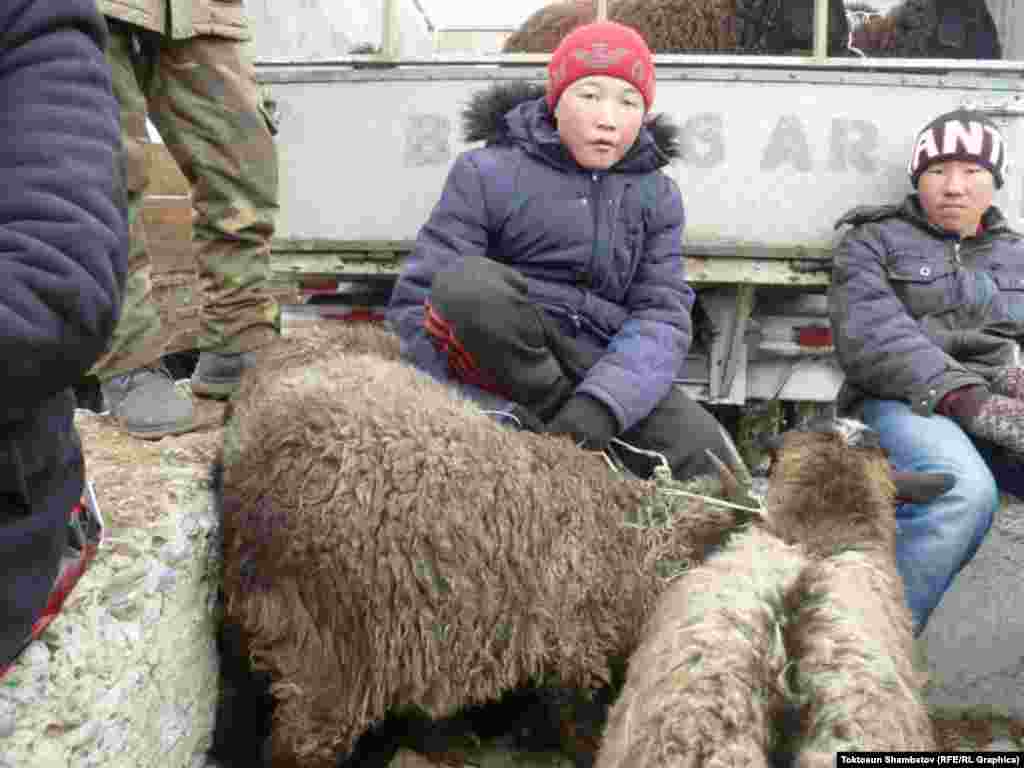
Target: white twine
660	457
713	500
688	494
506	415
611	464
650	454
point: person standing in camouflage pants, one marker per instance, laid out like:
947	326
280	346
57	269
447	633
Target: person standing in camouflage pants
182	63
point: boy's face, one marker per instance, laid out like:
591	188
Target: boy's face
598	119
955	195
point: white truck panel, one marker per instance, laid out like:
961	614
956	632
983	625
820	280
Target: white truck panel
771	157
316	30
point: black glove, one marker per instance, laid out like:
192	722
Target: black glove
586	420
526	420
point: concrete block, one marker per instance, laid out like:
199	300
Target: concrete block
126	676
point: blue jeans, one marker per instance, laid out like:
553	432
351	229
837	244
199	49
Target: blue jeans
935	540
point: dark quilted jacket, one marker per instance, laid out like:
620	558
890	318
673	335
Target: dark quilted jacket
917	312
63	251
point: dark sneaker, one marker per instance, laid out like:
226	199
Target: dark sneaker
218	376
147	404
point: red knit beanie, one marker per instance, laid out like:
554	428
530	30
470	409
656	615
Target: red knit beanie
601	48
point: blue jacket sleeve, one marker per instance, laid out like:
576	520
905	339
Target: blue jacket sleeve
63	228
646	355
456	228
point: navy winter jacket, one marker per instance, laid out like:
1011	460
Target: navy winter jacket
63	256
918	312
601	251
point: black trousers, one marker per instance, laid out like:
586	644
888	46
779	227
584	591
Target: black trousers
539	366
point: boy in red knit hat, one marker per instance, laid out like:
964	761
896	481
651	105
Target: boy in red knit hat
602	66
548	282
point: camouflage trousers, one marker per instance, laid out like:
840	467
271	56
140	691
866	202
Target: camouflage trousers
202	96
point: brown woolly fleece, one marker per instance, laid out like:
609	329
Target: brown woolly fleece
851	633
704	687
852	639
680	26
544	29
791	641
668	26
830	497
387	546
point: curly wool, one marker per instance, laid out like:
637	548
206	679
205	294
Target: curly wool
854	678
794	641
544	29
911	30
387	546
677	26
668	26
689	26
704	686
851	632
830	498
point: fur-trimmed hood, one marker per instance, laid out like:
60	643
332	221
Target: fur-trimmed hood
517	113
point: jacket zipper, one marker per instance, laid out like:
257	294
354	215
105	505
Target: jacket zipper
595	197
571	315
956	253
